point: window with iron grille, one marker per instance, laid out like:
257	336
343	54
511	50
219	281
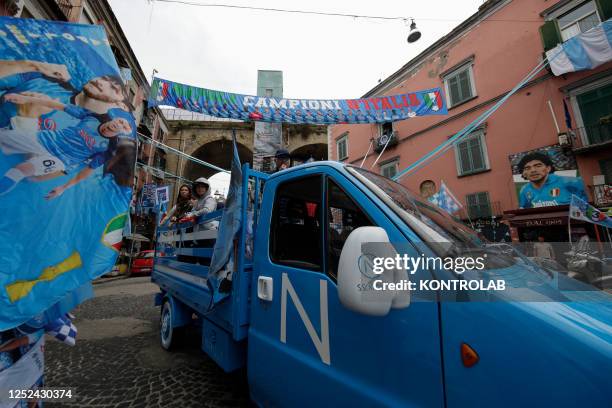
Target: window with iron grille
478	205
471	154
459	85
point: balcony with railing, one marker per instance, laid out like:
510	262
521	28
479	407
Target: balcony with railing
592	137
389	139
70	8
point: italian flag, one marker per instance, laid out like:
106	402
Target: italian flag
113	233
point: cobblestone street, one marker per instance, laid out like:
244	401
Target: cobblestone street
118	362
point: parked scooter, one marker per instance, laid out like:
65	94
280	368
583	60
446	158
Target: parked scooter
585	265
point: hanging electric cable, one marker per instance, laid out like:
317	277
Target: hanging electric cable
163	171
323	13
176	151
279	10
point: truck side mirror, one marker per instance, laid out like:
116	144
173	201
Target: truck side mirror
357	278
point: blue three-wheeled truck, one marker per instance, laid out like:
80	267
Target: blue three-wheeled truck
293	308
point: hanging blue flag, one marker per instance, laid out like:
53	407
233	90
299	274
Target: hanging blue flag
586	50
63	330
446	200
67	153
230	220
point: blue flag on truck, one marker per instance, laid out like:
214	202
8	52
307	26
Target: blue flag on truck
67	152
230	220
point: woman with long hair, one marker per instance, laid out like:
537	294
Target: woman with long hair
182	206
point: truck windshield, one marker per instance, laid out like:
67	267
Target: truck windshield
446	235
433	222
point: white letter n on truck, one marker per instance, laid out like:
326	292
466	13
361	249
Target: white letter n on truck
322	343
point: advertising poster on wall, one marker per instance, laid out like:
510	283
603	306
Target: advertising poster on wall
149	195
268	139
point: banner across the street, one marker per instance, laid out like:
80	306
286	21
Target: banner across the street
285	110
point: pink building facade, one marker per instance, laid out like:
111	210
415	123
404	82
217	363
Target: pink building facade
475	65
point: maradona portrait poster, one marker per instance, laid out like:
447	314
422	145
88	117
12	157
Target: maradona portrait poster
546	177
67	152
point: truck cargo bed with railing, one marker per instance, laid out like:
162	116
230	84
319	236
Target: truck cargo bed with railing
181	270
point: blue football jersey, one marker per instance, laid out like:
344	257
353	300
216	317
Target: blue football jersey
76	144
557	190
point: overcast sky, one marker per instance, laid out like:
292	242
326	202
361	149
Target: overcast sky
321	57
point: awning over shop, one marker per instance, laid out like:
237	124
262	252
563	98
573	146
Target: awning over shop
538	217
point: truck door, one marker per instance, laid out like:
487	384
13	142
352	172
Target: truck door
305	348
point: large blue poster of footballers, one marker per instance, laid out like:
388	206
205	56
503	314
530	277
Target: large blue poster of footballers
67	152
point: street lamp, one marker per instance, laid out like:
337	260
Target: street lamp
414	34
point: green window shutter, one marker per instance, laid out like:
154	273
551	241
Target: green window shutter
464	85
550	35
479	205
342	153
464	157
470	199
484	203
605	9
472	202
455	93
476	153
